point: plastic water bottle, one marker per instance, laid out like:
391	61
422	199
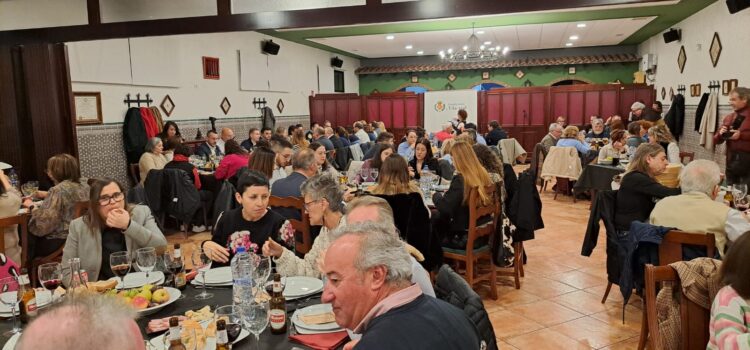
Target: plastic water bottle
13	178
242	281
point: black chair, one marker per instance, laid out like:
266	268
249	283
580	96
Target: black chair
413	222
446	169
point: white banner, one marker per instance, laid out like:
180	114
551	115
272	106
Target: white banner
442	106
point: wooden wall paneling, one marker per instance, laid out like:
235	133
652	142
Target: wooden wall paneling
329	111
539	108
10	152
385	111
354	110
559	105
576	108
508	109
609	105
317	110
342	112
592	104
523	108
412	111
627	97
399	111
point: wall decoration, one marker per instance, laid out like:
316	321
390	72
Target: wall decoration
448	87
167	105
728	85
695	90
527	83
715	49
617	81
211	68
485	75
88	107
414	78
520	74
452	77
663	92
375	91
280	106
571	70
681	59
225	105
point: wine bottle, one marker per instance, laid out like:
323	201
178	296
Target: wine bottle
27	298
729	197
180	281
222	340
277	307
175	338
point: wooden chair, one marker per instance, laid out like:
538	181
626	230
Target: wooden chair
472	255
22	220
687	155
301	226
694	318
80	209
517	270
134	170
670	251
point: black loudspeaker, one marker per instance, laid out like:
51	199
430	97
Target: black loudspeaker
735	6
337	62
672	35
270	47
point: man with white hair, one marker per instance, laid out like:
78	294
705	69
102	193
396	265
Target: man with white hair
549	140
636	111
696	209
369	287
105	323
445	133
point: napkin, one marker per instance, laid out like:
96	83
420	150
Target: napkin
324	341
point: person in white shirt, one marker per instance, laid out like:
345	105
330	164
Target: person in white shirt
226	135
359	131
283	150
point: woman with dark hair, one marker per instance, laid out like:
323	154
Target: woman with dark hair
729	327
110	225
615	149
169	131
290	132
322	160
250	225
423	159
343	136
384	151
10	201
181	161
169	146
262	160
635	134
50	222
235	158
639	188
490	162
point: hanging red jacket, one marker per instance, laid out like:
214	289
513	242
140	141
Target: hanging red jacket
148	120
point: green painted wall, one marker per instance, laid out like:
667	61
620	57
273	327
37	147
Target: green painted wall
539	76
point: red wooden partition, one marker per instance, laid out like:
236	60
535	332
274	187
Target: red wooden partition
522	112
635	92
339	109
579	102
398	111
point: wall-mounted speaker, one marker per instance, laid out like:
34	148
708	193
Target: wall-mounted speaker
672	35
271	48
735	6
337	62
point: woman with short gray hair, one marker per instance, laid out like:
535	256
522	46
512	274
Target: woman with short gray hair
324	204
153	158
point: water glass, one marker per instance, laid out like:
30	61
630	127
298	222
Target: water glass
232	315
255	318
261	270
10	298
202	263
740	190
146	259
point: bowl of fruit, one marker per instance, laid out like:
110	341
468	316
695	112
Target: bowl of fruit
147	299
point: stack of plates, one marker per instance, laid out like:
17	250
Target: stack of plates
42	299
138	279
218	277
299	287
304	328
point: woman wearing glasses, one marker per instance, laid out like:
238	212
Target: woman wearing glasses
111	225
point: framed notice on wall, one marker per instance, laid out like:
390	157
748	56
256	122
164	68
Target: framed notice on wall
88	106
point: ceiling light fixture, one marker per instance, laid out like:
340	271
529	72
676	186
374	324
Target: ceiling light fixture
581	25
389	37
505	50
474	50
569	44
573	37
420	52
408	47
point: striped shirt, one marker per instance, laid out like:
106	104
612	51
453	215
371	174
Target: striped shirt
730	321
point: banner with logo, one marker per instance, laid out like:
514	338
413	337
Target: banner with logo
442	106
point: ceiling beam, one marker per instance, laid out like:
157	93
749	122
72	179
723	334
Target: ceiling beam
94	13
373	12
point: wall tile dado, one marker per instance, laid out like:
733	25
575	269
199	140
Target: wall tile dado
690	139
102	153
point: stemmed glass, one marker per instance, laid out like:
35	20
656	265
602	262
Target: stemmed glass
9	287
742	203
146	259
740	190
119	262
202	262
232	315
255	318
30	188
261	271
374	174
50	276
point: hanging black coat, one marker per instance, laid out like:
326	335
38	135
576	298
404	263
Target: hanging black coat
134	135
699	111
412	219
269	121
604	209
675	118
525	209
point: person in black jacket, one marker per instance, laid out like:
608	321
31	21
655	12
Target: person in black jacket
638	188
423	159
496	134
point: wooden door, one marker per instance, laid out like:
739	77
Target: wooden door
522	112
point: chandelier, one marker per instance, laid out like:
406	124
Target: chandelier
474	51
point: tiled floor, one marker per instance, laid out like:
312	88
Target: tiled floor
559	303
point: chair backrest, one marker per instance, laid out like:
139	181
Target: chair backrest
446	169
562	162
134	170
478	210
670	249
689	156
694	319
22	220
301	226
81	208
537	159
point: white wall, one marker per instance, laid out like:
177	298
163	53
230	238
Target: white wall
173	65
697	33
26	14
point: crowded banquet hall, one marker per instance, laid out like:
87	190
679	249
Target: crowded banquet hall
374	174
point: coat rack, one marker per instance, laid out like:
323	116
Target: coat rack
137	100
259	103
714	86
681	89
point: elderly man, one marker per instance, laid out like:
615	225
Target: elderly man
695	210
369	286
598	131
445	133
252	140
226	134
320	137
360	132
735	130
210	147
107	323
549	140
478	138
636	111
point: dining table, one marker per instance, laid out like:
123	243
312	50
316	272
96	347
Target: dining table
596	177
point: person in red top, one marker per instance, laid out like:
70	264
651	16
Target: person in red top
735	130
235	159
446	133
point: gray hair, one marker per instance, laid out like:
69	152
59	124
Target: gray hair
447	125
379	246
384	210
554	126
151	144
303	159
700	175
637	106
318	131
103	316
324	186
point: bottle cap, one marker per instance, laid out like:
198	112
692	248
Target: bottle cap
240	249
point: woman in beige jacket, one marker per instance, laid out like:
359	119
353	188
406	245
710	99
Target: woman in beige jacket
153	158
10	202
109	226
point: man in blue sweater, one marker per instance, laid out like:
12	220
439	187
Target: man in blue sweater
369	286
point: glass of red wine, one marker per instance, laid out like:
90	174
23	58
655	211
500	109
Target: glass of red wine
119	262
232	315
50	276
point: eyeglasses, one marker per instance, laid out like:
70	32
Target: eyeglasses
307	204
113	198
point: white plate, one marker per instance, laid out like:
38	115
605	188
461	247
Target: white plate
11	343
174	294
138	279
42	299
311	310
197	284
158	342
301	330
299	286
219	275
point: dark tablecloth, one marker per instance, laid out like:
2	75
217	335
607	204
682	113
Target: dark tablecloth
596	177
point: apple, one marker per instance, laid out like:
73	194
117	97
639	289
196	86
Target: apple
146	293
160	296
139	302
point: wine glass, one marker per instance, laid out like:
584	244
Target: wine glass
202	262
119	262
261	271
374	174
255	318
740	190
742	203
9	297
146	259
232	315
50	276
